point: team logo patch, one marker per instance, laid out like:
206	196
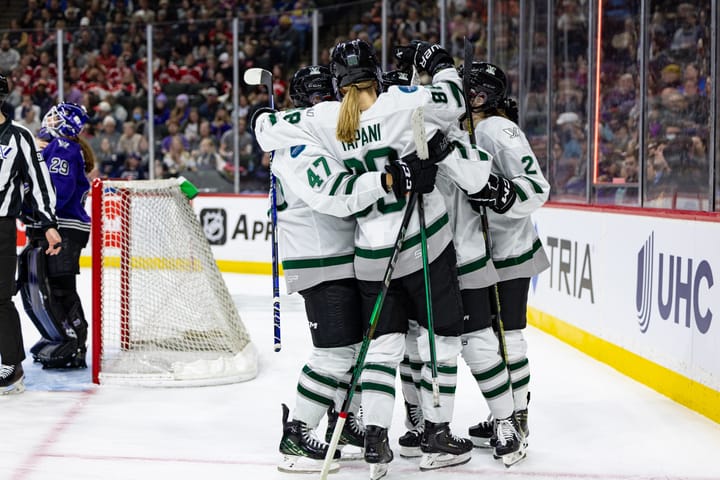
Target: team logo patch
407	88
296	150
512	132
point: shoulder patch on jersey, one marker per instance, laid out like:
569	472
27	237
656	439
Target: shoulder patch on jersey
512	132
407	88
296	150
63	143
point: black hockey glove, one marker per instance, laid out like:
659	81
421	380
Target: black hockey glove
498	195
257	113
410	174
424	56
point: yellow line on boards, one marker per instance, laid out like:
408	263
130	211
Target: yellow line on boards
683	390
225	266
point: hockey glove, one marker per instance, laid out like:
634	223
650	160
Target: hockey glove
423	173
257	113
402	181
498	195
424	56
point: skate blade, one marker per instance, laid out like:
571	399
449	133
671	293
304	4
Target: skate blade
410	452
351	452
298	464
433	461
15	388
378	470
512	458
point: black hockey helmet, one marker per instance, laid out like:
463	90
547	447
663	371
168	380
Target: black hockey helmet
311	85
354	61
4	88
395	77
488	80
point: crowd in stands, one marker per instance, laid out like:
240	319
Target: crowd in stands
105	70
677	95
105	61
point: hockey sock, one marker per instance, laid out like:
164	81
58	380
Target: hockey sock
410	367
341	392
315	393
480	352
519	367
378	391
447	380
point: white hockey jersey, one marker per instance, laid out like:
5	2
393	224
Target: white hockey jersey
516	248
316	247
384	135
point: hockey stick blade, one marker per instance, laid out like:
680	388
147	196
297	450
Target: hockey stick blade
256	76
419	136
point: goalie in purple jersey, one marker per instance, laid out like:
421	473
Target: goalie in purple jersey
60	319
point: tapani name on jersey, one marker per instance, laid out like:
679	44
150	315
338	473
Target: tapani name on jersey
364	136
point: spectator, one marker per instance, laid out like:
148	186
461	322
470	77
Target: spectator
177	159
191	128
133	169
246	144
26	103
180	113
209	107
9	57
284	40
208	158
108	131
41	97
173	131
220	124
109	162
29	120
129	141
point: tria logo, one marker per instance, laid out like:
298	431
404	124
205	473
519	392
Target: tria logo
682	288
63	143
5	151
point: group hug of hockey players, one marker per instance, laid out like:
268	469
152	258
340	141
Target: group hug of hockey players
348	166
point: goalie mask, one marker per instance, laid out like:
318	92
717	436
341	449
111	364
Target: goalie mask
311	85
395	77
489	83
352	62
64	120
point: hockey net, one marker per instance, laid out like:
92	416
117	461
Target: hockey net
162	313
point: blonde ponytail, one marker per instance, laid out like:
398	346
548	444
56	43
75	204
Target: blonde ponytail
349	116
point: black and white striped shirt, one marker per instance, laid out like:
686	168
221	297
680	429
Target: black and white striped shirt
20	163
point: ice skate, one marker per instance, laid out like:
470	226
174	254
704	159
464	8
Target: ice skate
377	451
410	441
522	419
510	446
352	438
482	434
441	448
12	379
302	451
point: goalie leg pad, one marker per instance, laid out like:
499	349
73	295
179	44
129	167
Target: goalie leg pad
36	293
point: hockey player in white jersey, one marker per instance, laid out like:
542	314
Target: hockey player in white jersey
515	190
368	134
316	250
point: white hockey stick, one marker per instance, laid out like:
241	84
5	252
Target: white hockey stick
421	148
260	76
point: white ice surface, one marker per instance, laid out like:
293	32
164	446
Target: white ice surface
587	421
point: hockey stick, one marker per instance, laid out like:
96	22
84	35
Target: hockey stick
421	147
259	76
362	353
494	292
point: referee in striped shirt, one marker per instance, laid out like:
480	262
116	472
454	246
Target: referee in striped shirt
20	164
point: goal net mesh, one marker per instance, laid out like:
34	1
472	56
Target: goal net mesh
165	314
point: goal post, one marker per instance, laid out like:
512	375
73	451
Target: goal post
162	314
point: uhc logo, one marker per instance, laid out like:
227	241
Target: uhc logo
678	288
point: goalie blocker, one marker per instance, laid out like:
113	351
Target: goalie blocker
55	311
